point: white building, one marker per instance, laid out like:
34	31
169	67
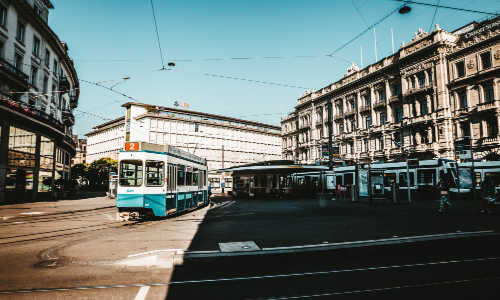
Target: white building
39	88
106	140
223	141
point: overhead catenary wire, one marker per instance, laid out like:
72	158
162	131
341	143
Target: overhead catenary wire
449	7
434	15
255	81
157	34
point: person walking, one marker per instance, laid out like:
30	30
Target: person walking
444	184
487	194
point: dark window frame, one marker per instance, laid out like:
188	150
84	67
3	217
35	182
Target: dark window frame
460	69
138	180
485	60
160	172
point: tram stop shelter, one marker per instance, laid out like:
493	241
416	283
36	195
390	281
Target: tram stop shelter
268	178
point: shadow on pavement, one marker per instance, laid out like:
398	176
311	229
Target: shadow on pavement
291	222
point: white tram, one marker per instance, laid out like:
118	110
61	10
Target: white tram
159	180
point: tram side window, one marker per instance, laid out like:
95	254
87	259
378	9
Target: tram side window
195	177
189	177
348	179
402	179
180	175
131	173
496	177
389	178
154	173
426	177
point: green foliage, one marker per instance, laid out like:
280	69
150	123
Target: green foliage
98	171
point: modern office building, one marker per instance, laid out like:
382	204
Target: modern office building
39	88
223	141
434	91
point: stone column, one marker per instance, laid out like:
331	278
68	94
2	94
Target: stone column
4	160
36	170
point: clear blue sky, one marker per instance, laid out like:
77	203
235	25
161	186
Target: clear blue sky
111	39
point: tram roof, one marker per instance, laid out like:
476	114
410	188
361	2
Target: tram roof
274	169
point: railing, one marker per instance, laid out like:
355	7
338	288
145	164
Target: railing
418	89
395	98
379	103
13	70
338	116
364	108
487	105
349	113
493	139
319	121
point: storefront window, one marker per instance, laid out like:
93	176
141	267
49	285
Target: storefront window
46	165
21	160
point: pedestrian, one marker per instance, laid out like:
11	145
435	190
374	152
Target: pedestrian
487	194
444	184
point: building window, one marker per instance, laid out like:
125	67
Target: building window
368	122
423	107
395	89
34	76
3	15
492	127
55	68
462	97
488	92
45	84
53	94
196	127
460	67
2	48
21	30
47	57
367	99
18	61
381	143
424	138
36	46
421	79
412	81
383	117
341	128
485	60
365	143
465	128
398	114
381	94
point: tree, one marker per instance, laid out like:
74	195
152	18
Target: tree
79	171
98	171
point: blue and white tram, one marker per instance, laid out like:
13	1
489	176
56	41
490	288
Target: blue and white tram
159	180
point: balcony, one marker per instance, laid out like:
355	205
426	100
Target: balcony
14	74
338	116
350	113
490	140
424	147
68	118
485	106
64	83
395	98
364	108
33	112
319	121
73	100
379	104
418	90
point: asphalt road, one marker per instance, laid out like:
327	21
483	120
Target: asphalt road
77	250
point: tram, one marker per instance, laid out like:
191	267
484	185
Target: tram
159	180
422	178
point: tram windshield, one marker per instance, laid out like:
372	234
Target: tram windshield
131	173
465	177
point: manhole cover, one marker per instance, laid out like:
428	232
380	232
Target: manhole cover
238	246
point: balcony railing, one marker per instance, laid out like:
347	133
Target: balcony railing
487	105
68	117
349	113
379	103
364	108
319	121
5	65
417	90
32	112
338	116
490	140
395	98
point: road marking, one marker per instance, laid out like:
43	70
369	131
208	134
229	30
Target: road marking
32	213
176	250
258	277
143	292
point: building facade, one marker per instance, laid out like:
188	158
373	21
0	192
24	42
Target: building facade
106	140
39	88
223	141
437	89
81	151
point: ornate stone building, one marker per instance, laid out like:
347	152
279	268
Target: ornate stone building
436	89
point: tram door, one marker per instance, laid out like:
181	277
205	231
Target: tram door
171	200
155	188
